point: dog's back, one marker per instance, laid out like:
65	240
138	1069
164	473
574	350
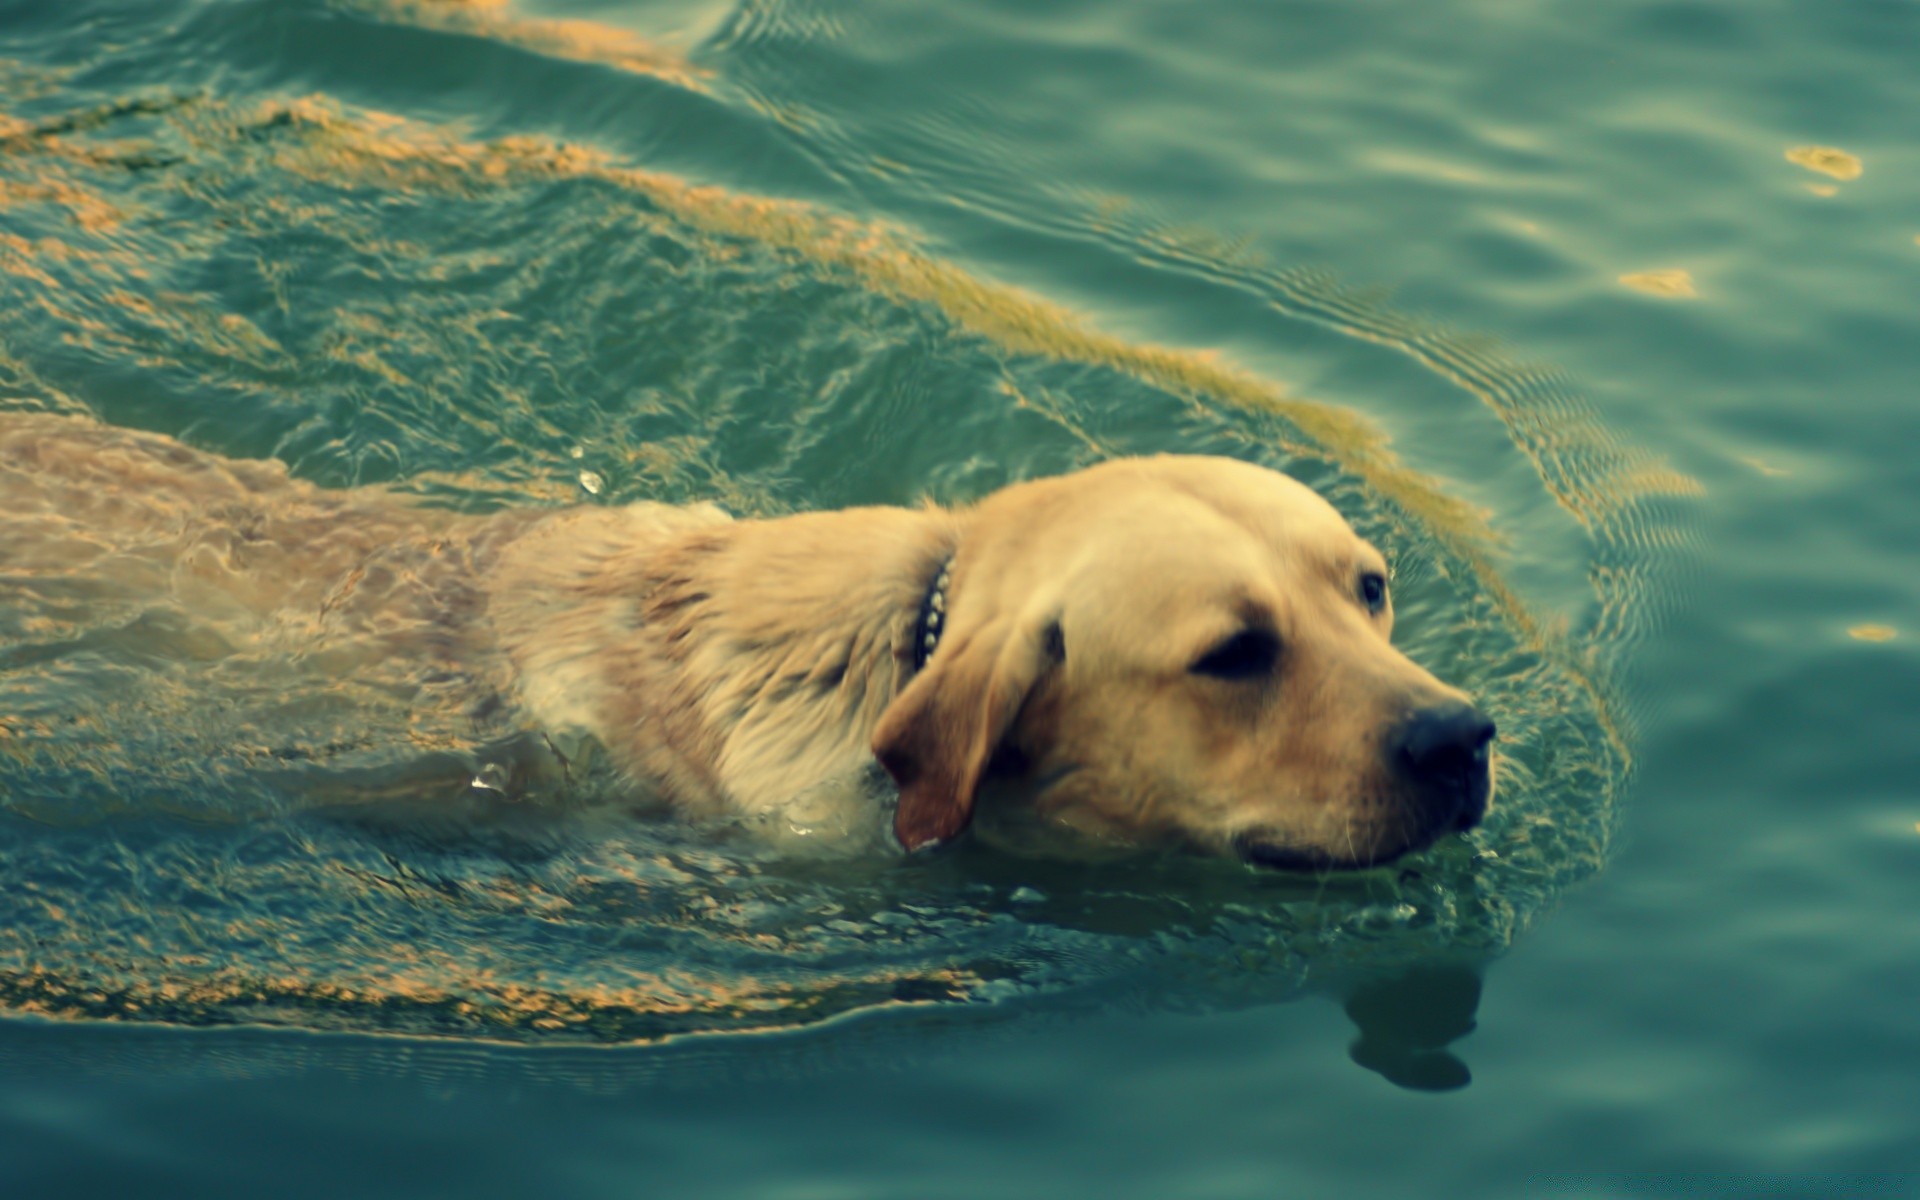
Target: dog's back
145	585
102	519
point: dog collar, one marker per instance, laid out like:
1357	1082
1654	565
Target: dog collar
933	617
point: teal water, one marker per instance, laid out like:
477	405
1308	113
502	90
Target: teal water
1644	380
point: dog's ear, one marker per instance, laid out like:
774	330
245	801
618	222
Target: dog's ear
939	734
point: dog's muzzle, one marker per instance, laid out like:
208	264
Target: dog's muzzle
1442	757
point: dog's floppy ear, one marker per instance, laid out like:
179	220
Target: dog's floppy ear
939	734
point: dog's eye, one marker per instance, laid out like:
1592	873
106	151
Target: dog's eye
1373	590
1249	654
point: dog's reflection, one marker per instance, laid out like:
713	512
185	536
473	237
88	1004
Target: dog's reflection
1408	1021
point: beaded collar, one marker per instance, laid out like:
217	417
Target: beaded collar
933	617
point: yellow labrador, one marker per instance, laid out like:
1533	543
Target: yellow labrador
1178	649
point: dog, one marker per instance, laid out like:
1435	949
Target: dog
1163	650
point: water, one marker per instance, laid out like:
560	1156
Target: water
1630	423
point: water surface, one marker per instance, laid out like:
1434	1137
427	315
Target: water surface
1629	424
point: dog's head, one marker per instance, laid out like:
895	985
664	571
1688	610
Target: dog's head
1186	649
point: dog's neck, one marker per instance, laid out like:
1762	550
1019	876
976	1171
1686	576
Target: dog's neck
740	662
793	635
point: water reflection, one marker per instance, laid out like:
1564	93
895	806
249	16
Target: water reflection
1407	1025
1409	1020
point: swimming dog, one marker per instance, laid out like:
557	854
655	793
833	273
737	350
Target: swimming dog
1168	649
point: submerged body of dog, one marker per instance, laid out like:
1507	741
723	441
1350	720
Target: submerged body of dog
1175	649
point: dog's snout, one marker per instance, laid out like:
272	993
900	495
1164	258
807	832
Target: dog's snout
1444	752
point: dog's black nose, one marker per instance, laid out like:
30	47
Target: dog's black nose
1443	751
